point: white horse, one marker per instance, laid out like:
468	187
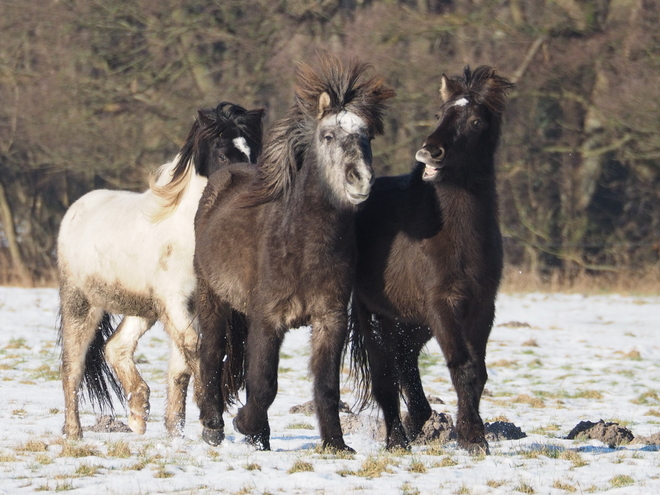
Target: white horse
131	254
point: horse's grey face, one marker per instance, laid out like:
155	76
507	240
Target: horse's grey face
344	152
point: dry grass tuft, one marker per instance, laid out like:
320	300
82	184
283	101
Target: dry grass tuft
524	488
71	450
119	449
527	399
503	363
574	457
417	467
301	466
372	467
32	446
621	480
564	486
587	394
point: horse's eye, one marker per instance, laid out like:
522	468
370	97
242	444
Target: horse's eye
328	138
223	158
476	123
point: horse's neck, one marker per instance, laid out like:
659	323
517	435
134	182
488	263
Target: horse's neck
468	211
310	205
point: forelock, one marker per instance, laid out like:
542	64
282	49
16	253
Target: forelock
348	88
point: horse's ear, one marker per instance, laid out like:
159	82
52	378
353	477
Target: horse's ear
258	113
447	88
324	104
204	119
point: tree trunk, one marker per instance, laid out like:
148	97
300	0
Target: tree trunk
7	220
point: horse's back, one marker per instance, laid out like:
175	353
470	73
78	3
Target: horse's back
108	244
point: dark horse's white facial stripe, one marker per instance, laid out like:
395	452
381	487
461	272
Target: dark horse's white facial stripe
241	145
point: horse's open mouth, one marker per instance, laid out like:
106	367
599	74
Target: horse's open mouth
433	166
430	172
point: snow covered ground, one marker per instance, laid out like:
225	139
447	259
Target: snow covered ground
553	360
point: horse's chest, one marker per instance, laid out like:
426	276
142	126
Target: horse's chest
300	277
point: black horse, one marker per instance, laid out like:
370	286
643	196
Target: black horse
277	245
430	263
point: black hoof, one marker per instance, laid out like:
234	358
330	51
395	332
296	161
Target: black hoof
475	448
260	441
337	447
394	446
213	437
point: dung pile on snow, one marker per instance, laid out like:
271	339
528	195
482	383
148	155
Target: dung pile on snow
650	440
307	408
439	428
609	433
503	430
371	426
108	424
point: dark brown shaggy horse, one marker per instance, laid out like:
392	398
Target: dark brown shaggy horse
430	262
278	246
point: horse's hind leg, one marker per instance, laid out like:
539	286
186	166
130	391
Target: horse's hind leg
213	326
119	351
411	340
263	348
380	343
78	328
184	361
468	375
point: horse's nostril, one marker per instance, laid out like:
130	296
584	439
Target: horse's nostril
438	154
353	175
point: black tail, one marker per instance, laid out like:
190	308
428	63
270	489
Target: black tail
360	372
234	366
98	377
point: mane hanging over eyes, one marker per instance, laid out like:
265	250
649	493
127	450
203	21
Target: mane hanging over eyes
348	89
483	85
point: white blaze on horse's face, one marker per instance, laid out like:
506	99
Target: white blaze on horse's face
461	102
344	151
241	145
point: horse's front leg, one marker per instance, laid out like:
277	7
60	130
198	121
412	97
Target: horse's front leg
263	355
213	326
468	375
119	351
328	337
